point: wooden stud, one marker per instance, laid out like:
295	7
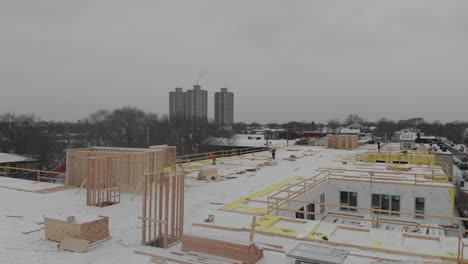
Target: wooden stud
252	228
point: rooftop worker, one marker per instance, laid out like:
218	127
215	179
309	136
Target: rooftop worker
378	146
430	149
213	157
273	153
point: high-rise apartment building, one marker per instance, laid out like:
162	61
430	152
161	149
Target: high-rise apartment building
177	104
197	104
224	107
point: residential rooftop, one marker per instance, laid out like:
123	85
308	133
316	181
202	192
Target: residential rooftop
246	190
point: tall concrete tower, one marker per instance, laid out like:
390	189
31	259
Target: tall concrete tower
197	104
224	108
177	104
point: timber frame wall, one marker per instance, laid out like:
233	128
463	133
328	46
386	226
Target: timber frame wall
105	172
342	141
163	209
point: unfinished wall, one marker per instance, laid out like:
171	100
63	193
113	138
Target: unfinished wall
163	209
438	200
342	141
126	165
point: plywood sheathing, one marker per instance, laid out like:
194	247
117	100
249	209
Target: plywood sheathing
247	253
94	230
126	166
342	141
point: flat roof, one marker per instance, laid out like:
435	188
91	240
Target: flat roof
203	198
14	158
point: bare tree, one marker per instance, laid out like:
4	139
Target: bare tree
333	124
385	127
127	123
353	119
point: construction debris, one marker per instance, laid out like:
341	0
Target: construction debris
270	163
32	231
210	219
161	259
14	216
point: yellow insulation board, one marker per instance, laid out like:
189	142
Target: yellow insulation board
241	204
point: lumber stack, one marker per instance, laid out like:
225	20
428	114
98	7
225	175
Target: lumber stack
207	174
87	228
342	141
247	253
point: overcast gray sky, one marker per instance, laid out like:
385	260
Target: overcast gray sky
284	60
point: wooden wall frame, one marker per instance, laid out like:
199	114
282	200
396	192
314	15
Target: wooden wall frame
124	167
163	209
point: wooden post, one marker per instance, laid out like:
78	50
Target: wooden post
150	204
166	214
173	207
143	214
268	205
252	228
458	252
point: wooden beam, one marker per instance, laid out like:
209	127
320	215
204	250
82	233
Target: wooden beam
226	228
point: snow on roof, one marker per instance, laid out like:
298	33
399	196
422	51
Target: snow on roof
350	131
201	199
250	140
12	158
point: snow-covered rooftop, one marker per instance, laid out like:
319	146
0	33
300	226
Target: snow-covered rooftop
12	158
21	215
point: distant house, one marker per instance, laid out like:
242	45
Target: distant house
327	130
353	129
406	135
18	161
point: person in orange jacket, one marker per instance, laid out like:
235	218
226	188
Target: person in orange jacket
213	157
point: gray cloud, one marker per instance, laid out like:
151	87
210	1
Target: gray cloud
285	60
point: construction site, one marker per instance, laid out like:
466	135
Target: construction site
344	203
